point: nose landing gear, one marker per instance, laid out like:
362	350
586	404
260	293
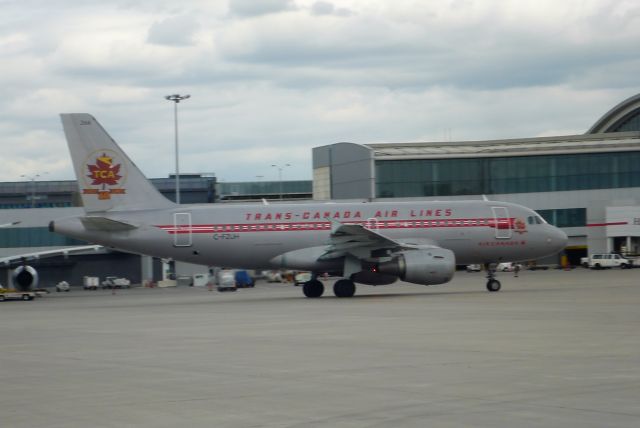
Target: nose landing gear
492	283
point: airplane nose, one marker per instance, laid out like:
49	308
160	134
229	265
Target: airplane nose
557	239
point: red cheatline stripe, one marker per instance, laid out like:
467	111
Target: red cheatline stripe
614	223
502	223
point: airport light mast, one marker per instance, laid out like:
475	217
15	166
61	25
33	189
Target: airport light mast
32	178
280	168
176	98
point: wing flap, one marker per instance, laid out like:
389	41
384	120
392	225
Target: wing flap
359	241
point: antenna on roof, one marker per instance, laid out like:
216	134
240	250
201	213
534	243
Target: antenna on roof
484	198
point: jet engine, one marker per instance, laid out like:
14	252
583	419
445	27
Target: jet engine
25	278
427	266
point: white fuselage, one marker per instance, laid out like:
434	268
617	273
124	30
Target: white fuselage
251	236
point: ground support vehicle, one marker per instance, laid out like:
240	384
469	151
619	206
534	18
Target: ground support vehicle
243	279
301	278
90	282
508	267
227	280
200	279
9	294
62	286
273	276
115	282
605	261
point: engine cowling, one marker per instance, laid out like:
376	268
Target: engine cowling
25	278
427	267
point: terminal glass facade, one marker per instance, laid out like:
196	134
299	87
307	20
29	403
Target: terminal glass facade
19	237
291	189
568	217
499	175
632	123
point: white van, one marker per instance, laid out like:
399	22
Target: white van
226	280
604	261
508	267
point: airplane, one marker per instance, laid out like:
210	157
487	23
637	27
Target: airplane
373	243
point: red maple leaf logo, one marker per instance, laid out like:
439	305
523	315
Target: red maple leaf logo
104	172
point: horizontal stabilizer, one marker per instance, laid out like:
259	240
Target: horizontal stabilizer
106	224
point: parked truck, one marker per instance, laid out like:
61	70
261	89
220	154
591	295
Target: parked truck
90	282
115	282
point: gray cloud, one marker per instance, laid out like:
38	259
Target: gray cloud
257	8
268	88
173	31
326	8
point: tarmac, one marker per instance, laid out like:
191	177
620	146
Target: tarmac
552	349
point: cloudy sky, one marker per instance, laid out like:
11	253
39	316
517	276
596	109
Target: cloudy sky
270	79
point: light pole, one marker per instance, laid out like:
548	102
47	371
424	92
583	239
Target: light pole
176	98
32	178
280	168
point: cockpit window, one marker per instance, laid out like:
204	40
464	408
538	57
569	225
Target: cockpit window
535	219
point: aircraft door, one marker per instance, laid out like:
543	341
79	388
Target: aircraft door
182	228
502	222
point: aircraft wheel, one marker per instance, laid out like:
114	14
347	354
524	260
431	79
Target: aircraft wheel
1	297
313	288
493	285
344	288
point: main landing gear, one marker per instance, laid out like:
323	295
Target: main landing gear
342	288
492	283
313	288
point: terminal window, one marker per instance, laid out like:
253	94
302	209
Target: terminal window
523	174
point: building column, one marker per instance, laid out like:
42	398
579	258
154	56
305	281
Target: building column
146	269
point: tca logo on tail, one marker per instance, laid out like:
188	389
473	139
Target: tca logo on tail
105	175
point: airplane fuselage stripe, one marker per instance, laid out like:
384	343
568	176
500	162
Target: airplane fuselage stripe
502	223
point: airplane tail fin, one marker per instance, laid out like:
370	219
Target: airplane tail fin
107	178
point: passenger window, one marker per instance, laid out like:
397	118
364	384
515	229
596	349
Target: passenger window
530	220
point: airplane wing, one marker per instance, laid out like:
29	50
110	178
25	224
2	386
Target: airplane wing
5	261
359	241
10	224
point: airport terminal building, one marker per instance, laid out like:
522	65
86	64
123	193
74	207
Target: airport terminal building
588	184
